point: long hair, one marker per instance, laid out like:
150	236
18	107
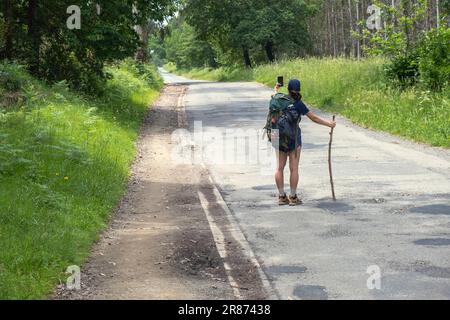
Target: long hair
297	96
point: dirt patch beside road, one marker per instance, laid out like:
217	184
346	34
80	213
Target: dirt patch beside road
159	244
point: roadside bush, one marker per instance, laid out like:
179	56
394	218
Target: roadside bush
144	71
434	64
81	73
403	70
9	80
12	82
427	64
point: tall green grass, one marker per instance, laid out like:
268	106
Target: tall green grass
219	74
357	90
64	165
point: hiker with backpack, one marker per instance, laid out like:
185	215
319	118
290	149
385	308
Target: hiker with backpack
285	134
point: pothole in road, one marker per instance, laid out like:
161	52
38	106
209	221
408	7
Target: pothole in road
374	200
306	292
361	220
335	232
432	209
265	188
434	272
433	242
286	269
313	146
265	235
335	207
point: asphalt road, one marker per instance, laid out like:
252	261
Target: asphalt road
392	214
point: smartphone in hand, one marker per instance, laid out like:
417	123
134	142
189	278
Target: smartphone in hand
280	81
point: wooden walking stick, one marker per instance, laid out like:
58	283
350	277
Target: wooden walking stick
329	161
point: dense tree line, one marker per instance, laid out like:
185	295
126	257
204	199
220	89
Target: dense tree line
242	26
40	35
252	31
213	33
338	26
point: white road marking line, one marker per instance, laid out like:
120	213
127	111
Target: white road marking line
238	235
181	112
219	240
235	230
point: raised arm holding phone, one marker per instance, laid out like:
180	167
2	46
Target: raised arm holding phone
284	117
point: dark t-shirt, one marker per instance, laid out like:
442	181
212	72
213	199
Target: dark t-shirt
302	109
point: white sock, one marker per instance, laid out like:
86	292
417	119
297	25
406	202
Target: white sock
293	192
281	192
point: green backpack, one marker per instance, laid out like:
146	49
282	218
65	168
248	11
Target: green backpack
278	105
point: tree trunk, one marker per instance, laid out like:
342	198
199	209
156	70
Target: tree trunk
9	32
343	33
438	15
327	34
144	31
246	54
406	28
141	54
351	24
358	43
269	51
335	33
394	22
33	35
330	32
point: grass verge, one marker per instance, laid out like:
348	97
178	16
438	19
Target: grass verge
357	90
64	165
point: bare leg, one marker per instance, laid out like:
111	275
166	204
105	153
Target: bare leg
294	160
279	174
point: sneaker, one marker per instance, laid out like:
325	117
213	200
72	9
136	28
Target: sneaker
283	200
294	201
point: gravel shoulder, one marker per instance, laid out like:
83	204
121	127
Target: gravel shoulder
159	244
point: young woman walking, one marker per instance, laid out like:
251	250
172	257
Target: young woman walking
292	149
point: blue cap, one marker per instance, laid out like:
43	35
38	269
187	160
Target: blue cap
294	85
